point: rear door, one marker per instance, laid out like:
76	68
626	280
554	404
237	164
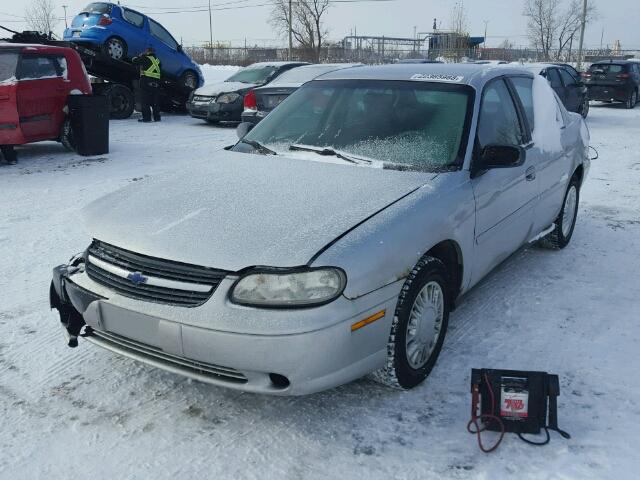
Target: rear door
41	95
8	97
136	35
505	197
166	49
572	91
553	77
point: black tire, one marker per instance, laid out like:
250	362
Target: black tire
121	101
212	122
115	48
398	372
584	110
560	237
189	80
66	136
632	100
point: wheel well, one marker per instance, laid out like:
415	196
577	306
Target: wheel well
449	253
579	174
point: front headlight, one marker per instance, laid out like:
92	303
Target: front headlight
228	98
289	288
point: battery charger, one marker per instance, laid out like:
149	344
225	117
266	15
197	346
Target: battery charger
515	401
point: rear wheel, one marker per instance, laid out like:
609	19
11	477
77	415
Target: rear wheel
632	100
115	48
66	136
121	101
584	111
419	326
566	220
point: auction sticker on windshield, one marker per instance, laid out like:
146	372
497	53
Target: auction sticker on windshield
433	77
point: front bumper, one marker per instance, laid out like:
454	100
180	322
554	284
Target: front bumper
281	352
215	112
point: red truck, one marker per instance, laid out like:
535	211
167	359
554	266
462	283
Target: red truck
35	81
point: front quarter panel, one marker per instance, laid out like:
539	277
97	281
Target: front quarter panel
386	247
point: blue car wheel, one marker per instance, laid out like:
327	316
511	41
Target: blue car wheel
115	48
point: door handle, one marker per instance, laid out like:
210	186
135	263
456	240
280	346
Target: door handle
530	174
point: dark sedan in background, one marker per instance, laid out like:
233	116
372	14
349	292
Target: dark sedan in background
224	101
565	81
614	81
260	101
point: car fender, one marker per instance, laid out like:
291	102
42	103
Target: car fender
385	248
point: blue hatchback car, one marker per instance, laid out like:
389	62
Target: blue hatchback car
122	33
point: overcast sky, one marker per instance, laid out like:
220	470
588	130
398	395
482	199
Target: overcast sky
619	19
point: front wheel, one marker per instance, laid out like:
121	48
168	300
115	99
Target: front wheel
189	80
566	221
419	326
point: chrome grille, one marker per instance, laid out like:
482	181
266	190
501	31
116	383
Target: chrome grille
201	98
155	356
151	279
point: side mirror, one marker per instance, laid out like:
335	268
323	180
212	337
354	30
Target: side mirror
500	156
179	48
244	128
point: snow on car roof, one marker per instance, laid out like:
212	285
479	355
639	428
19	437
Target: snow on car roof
429	72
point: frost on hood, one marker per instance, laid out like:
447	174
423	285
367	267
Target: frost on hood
547	116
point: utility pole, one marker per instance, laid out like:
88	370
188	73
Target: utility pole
486	22
290	31
64	7
582	27
210	27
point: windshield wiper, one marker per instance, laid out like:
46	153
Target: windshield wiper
259	147
329	151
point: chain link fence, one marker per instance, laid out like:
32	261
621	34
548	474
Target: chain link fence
243	56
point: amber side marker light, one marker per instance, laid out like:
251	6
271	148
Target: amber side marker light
366	321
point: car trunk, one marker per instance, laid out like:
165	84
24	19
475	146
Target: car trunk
269	98
607	75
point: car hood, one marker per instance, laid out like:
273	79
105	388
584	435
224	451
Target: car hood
239	210
223	87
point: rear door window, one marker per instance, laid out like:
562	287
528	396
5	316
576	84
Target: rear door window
33	67
134	18
567	78
8	64
524	89
161	34
554	78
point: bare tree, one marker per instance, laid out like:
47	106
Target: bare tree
569	26
41	17
551	28
542	24
459	22
307	24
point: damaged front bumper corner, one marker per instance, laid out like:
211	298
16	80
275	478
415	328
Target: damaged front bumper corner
70	300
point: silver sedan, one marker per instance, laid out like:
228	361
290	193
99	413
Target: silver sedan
334	239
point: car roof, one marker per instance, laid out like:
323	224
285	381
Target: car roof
614	61
461	73
326	67
275	64
33	47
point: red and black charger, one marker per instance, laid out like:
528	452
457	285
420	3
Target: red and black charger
514	401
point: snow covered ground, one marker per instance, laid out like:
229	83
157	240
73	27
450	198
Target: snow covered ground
86	413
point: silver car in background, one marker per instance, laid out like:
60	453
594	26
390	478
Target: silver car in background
334	238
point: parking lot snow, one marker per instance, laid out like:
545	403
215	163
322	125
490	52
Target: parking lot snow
87	413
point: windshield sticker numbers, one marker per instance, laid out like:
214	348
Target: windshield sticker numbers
432	77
